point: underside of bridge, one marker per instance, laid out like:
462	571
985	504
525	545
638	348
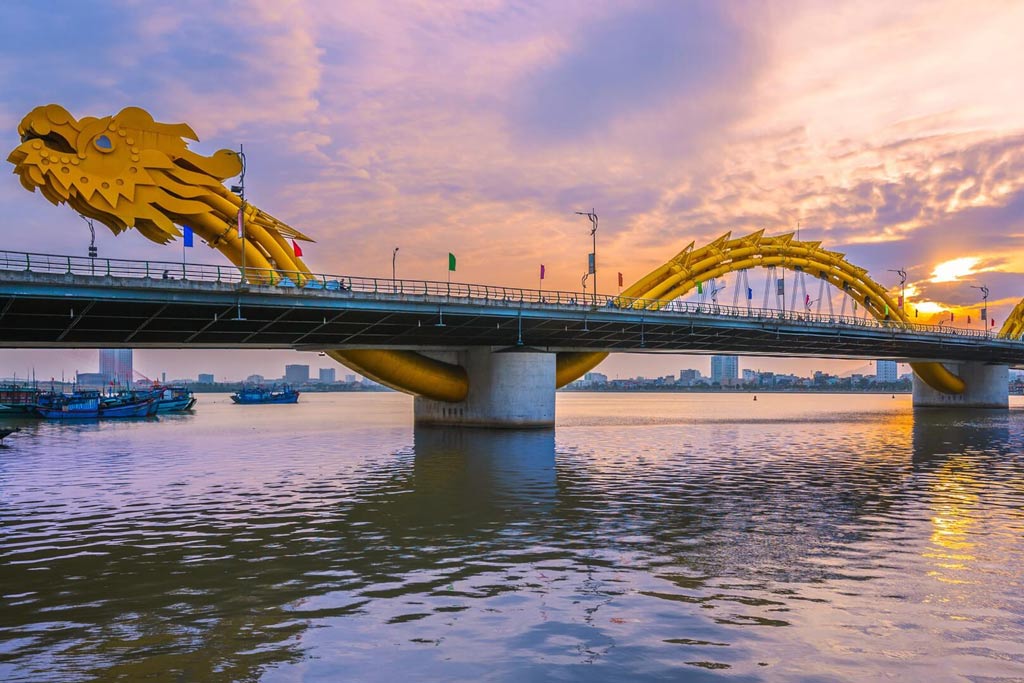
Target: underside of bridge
130	171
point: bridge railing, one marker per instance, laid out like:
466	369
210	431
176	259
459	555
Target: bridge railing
337	285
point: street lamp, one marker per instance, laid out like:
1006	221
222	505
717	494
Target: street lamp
984	305
394	278
592	259
903	286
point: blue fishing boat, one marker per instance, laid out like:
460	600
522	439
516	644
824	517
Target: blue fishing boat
166	399
174	399
91	405
256	395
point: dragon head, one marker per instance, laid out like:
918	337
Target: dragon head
125	171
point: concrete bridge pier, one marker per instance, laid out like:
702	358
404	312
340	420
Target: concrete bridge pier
988	386
510	388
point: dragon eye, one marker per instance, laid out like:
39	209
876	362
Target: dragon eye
103	144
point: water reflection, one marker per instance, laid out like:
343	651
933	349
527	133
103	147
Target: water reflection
763	548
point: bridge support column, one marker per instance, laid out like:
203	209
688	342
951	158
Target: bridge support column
512	388
988	386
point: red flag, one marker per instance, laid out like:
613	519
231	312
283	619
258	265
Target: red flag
542	271
968	320
900	300
620	279
951	317
241	224
296	248
993	322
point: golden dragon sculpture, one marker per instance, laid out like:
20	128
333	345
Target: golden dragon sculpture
130	171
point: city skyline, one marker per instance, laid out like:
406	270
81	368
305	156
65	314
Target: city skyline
676	122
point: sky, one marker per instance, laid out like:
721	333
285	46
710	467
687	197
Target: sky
891	131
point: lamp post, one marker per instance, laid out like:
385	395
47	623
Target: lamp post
903	286
240	189
394	278
592	259
984	306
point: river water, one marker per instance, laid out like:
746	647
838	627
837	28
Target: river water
648	538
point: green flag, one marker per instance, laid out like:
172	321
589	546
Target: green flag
451	262
700	288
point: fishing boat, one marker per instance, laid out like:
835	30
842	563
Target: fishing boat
166	399
86	405
252	395
174	399
18	400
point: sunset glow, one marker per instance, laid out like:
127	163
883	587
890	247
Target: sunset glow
955	269
894	136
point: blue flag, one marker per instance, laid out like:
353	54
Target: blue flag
750	293
188	236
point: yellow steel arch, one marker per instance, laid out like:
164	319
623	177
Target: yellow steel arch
129	171
726	254
1013	328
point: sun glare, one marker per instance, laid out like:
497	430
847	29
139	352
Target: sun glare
929	307
948	271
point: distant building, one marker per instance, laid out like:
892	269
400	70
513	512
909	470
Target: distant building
255	379
688	377
116	366
725	369
885	371
595	378
296	374
205	378
351	379
750	376
328	375
91	379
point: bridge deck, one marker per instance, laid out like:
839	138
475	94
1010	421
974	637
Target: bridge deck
54	310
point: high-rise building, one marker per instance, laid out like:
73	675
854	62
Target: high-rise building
688	377
116	366
296	374
328	375
885	371
205	378
725	369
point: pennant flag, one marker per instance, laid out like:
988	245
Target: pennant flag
296	248
807	299
187	235
700	287
620	279
542	271
984	314
993	322
916	312
451	262
900	302
951	316
750	294
887	309
241	224
780	286
968	320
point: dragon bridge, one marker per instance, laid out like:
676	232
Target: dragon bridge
130	171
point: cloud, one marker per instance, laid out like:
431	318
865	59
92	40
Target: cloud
892	132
